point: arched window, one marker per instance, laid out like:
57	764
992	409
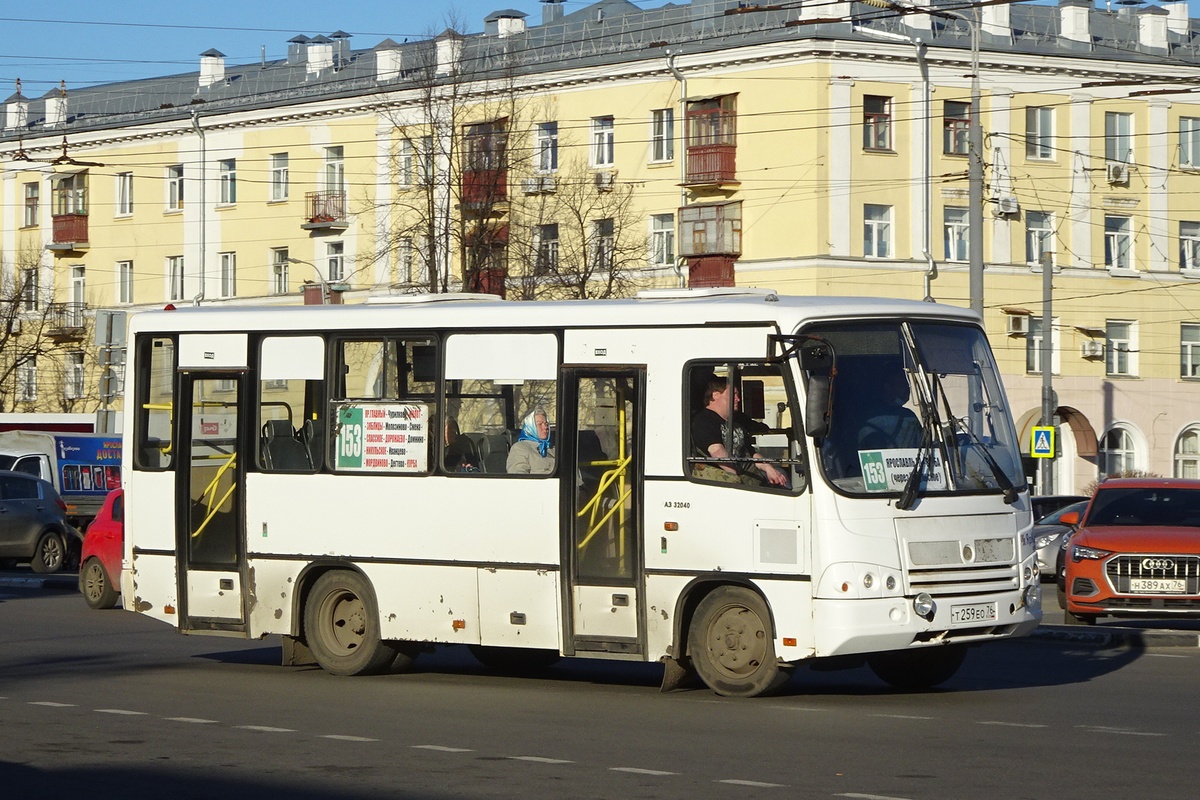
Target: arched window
1187	454
1117	452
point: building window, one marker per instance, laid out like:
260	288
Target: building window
1039	132
405	165
33	195
877	231
546	147
1120	347
27	380
423	152
662	240
1189	245
124	194
228	274
1187	454
279	270
1118	242
957	234
956	126
1033	347
877	123
1118	136
1117	453
547	249
78	298
125	281
175	277
279	176
334	174
70	194
602	142
335	261
73	380
30	296
1189	142
1189	350
662	134
1039	236
227	170
603	245
175	187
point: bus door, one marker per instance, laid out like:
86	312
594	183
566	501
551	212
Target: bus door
600	442
210	535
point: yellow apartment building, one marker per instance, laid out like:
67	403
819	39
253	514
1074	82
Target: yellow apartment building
810	146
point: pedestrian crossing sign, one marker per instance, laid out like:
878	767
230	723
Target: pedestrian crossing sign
1042	445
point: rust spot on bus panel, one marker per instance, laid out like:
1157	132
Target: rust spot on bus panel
251	591
141	605
279	613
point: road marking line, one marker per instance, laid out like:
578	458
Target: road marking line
441	748
1013	724
639	771
758	784
541	759
1117	731
344	738
195	720
900	716
1165	655
122	711
51	704
870	796
264	729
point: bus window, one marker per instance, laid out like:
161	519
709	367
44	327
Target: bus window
291	422
155	404
761	449
489	415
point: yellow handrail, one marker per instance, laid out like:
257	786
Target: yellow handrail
210	492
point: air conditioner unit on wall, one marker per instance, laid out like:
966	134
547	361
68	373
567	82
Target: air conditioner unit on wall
1018	324
1118	174
605	181
1007	204
1092	349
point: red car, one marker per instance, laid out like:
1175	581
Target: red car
103	548
1136	553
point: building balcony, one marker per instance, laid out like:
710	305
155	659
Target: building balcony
711	271
484	189
488	280
712	166
65	322
70	232
326	211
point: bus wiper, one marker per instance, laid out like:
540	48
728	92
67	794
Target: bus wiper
908	497
1006	485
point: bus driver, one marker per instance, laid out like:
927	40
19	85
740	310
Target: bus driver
709	426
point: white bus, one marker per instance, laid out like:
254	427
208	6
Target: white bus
339	476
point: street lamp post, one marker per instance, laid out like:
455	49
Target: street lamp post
325	293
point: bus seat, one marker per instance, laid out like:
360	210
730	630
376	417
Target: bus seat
312	436
281	449
495	453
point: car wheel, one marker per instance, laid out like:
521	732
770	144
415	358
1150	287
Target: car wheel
97	589
341	626
917	669
1078	619
732	645
1062	597
50	553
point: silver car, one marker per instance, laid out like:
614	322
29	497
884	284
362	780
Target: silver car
33	524
1048	534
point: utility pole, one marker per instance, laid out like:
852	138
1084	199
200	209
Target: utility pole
975	171
1049	401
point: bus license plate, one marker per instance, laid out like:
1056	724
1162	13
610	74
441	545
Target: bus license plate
973	614
1157	585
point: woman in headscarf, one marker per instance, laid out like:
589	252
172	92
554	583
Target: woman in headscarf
532	453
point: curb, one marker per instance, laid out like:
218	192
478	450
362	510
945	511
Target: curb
59	582
1104	636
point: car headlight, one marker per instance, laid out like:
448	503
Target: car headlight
1046	540
1081	553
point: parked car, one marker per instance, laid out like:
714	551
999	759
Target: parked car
103	546
1136	552
33	524
1048	535
1047	504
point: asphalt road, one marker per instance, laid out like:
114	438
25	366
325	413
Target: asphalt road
117	705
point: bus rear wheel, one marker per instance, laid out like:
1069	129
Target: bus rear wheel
917	669
732	645
341	626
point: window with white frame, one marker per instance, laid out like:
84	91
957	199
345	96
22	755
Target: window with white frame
603	245
662	134
1189	245
877	122
1118	136
405	164
662	240
228	274
125	282
279	176
1033	346
73	379
1039	236
877	231
279	270
33	198
1189	142
1039	132
124	194
545	147
1118	242
423	152
1187	454
546	237
30	294
27	380
227	173
175	187
603	142
1118	454
957	236
78	297
174	277
335	261
1189	350
334	174
1120	347
956	126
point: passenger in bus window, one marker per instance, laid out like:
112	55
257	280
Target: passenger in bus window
532	454
460	453
709	427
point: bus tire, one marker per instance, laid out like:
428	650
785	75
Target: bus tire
514	659
341	625
404	656
917	669
94	584
732	645
50	553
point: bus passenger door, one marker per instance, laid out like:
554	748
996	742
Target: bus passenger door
210	536
600	446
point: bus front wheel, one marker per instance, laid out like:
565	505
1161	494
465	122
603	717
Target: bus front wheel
341	626
732	644
918	669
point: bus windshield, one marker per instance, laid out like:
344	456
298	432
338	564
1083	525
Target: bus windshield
918	408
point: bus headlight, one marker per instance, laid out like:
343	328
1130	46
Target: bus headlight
1033	595
923	606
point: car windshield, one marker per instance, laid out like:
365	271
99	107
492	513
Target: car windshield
1055	517
1172	507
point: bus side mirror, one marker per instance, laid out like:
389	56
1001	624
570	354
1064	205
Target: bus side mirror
819	406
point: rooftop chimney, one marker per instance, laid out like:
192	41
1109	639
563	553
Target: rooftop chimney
341	48
212	67
320	54
1152	29
1177	16
56	105
996	22
449	51
296	49
16	109
552	11
504	23
1074	21
388	61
